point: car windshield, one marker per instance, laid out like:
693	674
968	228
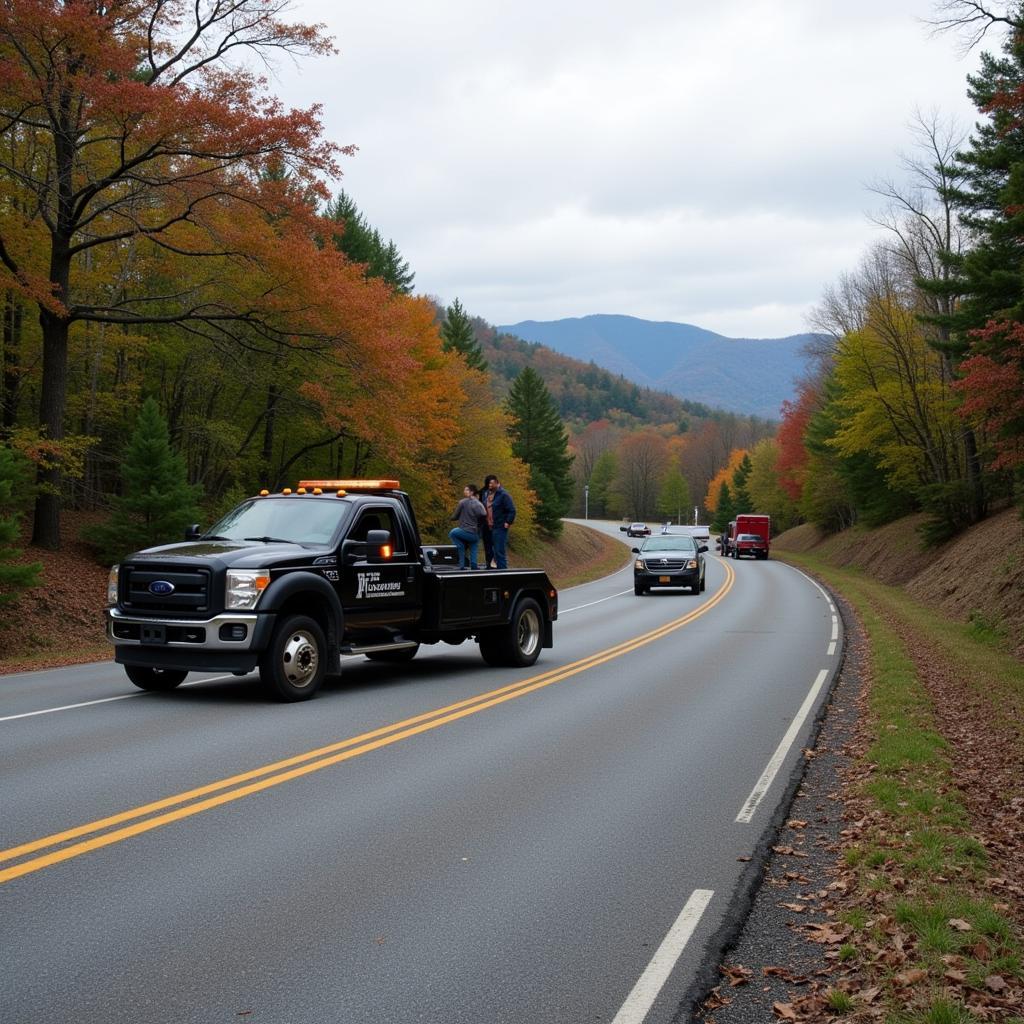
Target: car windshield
296	520
669	544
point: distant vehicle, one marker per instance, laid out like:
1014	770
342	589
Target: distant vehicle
751	525
672	561
636	530
701	534
751	544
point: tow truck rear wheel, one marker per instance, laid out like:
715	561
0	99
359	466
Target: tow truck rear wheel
294	664
155	678
518	644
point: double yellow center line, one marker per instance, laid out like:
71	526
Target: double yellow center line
94	835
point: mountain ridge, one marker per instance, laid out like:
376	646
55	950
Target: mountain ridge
746	375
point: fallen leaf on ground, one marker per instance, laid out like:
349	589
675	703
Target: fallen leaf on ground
994	983
959	924
784	1010
910	977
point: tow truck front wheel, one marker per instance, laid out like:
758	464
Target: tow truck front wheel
154	678
519	643
294	665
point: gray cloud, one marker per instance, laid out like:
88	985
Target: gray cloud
680	161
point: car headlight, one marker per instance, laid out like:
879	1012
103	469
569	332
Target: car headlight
692	563
112	586
638	564
243	587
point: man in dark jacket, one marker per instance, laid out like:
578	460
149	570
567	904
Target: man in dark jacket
501	513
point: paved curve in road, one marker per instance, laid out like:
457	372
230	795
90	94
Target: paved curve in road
439	842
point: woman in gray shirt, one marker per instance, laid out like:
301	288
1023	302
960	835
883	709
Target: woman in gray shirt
466	535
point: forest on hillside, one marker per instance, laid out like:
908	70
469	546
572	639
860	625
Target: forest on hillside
167	236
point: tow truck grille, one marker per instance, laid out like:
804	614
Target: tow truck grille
189	589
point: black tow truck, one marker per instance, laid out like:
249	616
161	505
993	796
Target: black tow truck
290	582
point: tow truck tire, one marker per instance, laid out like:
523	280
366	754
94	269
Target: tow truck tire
401	655
294	664
518	644
155	678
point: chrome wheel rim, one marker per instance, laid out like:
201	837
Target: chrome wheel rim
528	631
300	658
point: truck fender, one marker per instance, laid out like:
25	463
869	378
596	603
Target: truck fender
306	584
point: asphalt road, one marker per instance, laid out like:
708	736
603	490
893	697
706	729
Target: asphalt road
440	841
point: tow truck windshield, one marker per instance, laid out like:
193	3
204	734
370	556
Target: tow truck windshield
292	520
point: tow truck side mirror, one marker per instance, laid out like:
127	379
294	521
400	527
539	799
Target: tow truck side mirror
192	532
378	545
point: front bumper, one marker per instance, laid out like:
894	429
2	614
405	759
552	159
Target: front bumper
673	578
190	644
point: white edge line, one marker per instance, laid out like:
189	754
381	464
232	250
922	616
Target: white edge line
103	700
565	611
639	1002
832	648
768	775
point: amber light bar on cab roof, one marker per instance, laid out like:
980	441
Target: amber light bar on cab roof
351	485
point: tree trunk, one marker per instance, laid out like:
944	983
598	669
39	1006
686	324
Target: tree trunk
13	317
46	526
269	423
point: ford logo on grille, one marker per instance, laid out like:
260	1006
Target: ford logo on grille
161	588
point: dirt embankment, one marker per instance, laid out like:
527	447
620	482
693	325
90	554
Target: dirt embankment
978	575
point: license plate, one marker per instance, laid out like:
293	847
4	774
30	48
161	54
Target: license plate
664	579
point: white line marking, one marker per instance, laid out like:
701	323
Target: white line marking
104	700
768	775
835	629
832	648
639	1002
565	611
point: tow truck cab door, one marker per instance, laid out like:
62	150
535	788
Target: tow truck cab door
381	594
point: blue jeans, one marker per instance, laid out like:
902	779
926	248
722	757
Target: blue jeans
466	541
499	541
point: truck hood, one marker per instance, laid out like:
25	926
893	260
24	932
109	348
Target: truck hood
230	553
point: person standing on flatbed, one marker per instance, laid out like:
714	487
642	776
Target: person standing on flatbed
501	514
466	535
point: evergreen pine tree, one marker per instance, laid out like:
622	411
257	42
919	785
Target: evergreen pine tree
989	198
457	333
740	496
13	478
539	439
363	244
157	502
725	510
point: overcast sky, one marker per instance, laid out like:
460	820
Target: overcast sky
704	163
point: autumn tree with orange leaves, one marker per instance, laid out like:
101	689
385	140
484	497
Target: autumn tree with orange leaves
131	132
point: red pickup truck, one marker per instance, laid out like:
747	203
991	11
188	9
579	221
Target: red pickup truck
747	535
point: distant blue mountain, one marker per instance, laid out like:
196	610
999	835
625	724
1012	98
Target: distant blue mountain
747	375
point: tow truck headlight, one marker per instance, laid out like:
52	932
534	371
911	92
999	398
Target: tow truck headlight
112	586
244	586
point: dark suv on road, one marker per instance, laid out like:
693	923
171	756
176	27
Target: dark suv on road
669	561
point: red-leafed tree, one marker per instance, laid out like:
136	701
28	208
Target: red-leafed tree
792	452
993	390
129	130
